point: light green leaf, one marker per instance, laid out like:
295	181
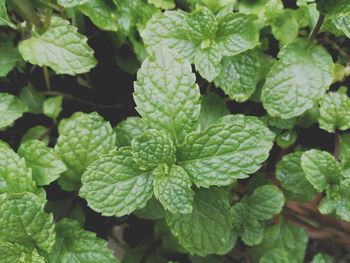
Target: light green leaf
207	62
265	202
76	245
15	176
252	233
33	99
13	252
24	221
284	25
45	165
167	30
322	258
38	132
126	130
101	14
342	23
8	53
208	229
83	138
52	107
71	3
11	109
301	76
213	107
61	48
151	149
164	4
230	149
320	169
113	185
4	19
200	25
166	94
334	112
238	77
287	138
292	177
236	33
172	187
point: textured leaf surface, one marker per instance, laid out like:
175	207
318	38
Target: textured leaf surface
207	61
334	112
167	29
113	185
301	76
237	33
208	229
11	108
322	258
71	3
320	169
126	130
213	107
152	149
15	176
166	94
13	252
8	53
101	14
252	233
53	106
76	245
231	149
45	165
276	256
238	77
61	48
172	187
200	24
83	138
265	202
164	4
24	221
292	177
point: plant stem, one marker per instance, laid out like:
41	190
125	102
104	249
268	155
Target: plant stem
47	78
317	27
26	10
336	147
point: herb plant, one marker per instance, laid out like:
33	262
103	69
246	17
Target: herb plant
235	147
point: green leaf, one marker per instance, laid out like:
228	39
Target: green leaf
320	169
265	202
45	165
167	30
301	76
284	25
76	245
322	258
113	185
207	61
334	112
11	109
164	4
342	23
213	107
33	99
52	107
252	233
13	252
284	236
126	130
71	3
172	187
334	7
65	55
24	221
238	77
38	132
200	25
236	33
83	138
152	211
4	19
8	53
276	256
292	177
151	149
344	151
101	14
228	150
15	176
164	100
208	229
287	138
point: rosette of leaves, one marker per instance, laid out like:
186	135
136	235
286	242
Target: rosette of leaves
165	154
202	37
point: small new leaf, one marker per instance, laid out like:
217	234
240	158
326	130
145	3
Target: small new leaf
11	109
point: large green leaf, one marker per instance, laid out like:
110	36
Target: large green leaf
297	80
8	53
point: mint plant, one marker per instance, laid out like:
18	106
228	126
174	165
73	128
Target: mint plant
151	131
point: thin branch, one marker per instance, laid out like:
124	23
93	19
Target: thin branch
47	78
317	27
